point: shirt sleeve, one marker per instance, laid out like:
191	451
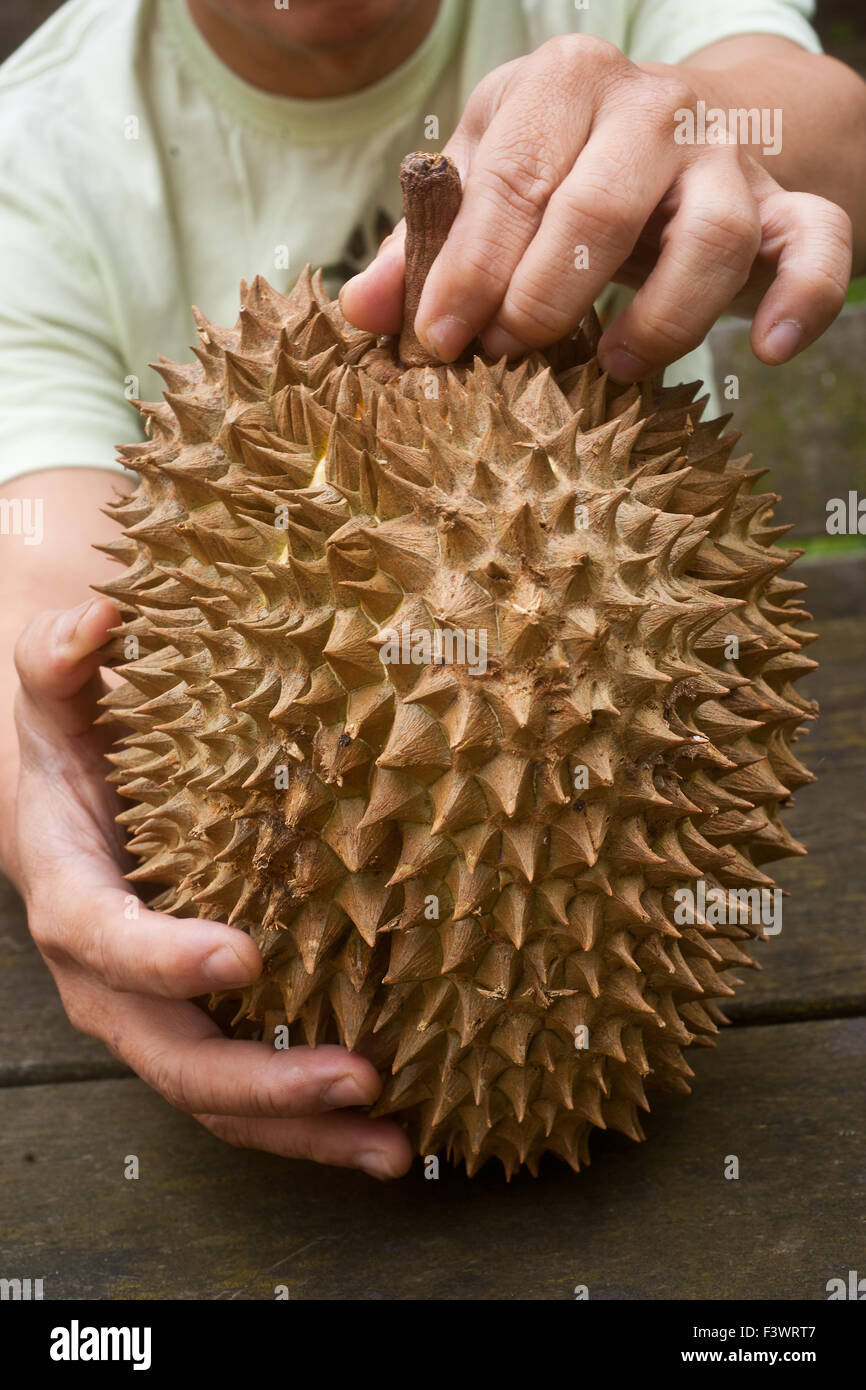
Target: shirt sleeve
669	31
64	391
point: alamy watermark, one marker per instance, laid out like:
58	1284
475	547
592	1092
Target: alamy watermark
22	516
77	1343
441	647
21	1290
711	125
736	906
854	1288
846	516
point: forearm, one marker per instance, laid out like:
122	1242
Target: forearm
823	105
55	573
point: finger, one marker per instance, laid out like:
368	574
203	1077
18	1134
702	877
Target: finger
243	1091
522	157
591	225
57	658
479	111
707	251
373	300
344	1140
179	1051
811	242
108	931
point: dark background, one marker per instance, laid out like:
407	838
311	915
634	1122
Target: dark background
18	18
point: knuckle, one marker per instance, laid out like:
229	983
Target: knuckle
661	102
820	210
44	930
281	1087
826	282
486	95
115	1042
493	82
40	753
232	1129
480	275
579	50
53	953
23	654
836	231
168	1077
604	217
522	179
529	314
660	109
822	261
34	653
52	931
103	958
731	235
27	741
160	972
663	337
76	1011
672	93
838	221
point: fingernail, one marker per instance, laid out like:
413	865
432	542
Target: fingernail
446	337
622	365
225	968
346	1091
67	624
498	343
783	339
377	1164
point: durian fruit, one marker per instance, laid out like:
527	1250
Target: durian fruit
467	875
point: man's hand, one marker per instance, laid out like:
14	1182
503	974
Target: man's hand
573	178
128	982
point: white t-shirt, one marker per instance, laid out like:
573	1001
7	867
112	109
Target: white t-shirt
139	176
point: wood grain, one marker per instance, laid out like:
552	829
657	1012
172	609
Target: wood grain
655	1220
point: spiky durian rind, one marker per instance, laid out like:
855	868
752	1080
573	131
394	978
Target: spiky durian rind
299	495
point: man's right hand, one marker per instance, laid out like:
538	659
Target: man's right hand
129	981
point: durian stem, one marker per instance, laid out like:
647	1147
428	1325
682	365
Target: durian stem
431	199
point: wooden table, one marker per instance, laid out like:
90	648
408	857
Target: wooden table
784	1091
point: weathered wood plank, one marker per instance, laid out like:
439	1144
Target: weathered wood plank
37	1041
836	588
656	1220
817	964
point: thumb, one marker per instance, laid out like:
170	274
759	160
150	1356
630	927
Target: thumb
373	300
57	657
